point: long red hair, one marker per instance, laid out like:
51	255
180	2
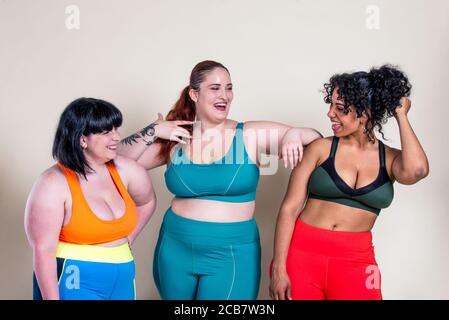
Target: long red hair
184	108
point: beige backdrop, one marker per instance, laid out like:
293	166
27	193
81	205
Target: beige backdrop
139	54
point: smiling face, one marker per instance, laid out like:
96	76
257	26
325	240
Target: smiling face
101	147
214	96
344	123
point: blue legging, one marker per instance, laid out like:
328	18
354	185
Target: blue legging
207	260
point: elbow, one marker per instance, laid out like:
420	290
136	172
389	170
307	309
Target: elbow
43	254
290	212
153	201
421	173
146	210
43	248
308	135
415	175
421	170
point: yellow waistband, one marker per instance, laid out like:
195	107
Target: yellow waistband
119	254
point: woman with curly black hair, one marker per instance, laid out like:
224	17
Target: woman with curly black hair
323	242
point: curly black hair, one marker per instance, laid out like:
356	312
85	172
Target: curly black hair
376	93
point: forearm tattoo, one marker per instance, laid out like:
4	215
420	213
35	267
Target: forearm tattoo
146	134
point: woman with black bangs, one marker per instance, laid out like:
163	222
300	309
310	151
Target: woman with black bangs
84	212
323	243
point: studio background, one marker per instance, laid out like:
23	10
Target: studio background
138	55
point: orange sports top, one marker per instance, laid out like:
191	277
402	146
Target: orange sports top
84	226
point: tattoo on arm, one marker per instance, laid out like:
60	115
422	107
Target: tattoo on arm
131	139
148	131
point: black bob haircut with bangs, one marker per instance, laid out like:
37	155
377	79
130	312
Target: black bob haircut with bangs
83	116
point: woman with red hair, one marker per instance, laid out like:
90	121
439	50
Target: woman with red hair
208	245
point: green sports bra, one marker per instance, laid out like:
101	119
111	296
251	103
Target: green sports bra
325	184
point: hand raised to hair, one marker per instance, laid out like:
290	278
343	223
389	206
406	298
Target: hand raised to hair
403	108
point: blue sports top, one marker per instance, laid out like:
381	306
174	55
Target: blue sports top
233	178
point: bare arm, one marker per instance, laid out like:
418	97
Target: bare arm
410	163
135	145
151	158
292	137
285	141
291	207
44	216
142	143
141	191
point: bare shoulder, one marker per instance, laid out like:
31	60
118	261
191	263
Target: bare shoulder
250	129
248	124
320	145
256	128
123	163
127	165
53	176
259	124
51	182
45	207
128	168
319	149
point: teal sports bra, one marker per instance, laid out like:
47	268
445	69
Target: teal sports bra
325	184
233	178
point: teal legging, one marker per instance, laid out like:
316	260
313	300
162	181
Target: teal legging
207	260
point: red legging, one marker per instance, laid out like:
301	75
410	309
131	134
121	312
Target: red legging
332	265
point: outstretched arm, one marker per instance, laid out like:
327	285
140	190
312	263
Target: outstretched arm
285	141
135	145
